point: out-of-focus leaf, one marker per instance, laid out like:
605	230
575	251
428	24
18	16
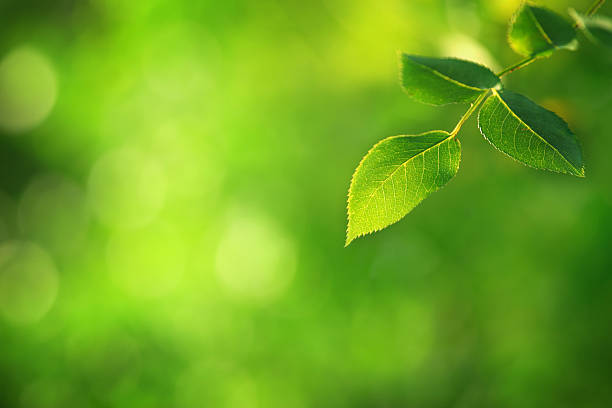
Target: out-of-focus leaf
439	81
597	28
395	176
537	31
530	134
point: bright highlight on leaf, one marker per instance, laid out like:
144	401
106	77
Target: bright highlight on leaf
537	31
530	134
396	175
439	81
598	29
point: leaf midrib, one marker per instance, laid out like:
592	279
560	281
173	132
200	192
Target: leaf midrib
534	132
441	75
540	28
382	182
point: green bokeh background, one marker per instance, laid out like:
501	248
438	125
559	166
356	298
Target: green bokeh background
171	232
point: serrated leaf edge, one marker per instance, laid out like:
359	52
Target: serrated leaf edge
441	75
348	238
572	45
511	24
579	173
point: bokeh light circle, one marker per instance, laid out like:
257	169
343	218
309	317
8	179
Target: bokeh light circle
53	211
28	89
255	259
28	282
127	188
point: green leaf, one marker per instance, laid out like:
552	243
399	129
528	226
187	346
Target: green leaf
597	28
439	81
397	174
537	31
530	134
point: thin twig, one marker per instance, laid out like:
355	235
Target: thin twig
593	9
469	112
517	66
522	64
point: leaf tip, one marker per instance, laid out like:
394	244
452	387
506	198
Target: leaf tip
350	236
348	242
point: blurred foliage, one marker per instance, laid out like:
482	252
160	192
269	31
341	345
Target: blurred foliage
173	180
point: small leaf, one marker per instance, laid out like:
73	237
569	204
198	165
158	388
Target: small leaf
537	31
439	81
597	28
397	174
530	134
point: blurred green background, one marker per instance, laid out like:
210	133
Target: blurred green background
173	180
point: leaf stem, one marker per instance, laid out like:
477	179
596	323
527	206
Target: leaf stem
467	114
593	9
517	66
522	64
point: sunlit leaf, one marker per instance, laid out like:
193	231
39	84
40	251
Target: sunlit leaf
537	31
597	28
439	81
530	134
397	174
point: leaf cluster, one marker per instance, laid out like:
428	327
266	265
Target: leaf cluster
401	171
